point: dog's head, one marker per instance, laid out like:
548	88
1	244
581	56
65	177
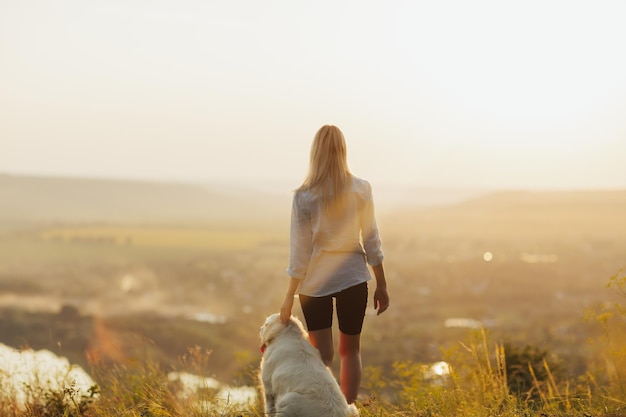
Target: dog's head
273	327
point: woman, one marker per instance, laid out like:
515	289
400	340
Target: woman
333	238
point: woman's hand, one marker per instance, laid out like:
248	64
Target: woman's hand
381	299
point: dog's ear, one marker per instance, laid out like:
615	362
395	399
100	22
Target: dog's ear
271	328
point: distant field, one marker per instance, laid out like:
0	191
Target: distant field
161	237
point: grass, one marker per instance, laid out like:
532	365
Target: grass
486	379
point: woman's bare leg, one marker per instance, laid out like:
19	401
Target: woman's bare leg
350	374
323	341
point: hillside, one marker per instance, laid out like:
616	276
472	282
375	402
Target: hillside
56	199
512	215
459	213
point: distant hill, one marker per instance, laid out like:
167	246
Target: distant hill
80	200
521	213
553	200
57	199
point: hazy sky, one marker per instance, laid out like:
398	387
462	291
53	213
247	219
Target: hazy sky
527	94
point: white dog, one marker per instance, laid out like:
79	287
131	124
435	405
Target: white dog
295	381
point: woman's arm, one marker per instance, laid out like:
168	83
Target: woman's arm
300	239
285	309
369	231
300	247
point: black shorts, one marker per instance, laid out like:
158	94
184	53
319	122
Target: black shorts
351	304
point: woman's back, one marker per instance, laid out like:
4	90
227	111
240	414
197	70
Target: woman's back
328	245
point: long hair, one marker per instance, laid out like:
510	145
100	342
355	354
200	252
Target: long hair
329	176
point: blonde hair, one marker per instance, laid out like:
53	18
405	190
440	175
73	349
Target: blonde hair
329	176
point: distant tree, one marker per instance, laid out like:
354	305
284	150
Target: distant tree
69	312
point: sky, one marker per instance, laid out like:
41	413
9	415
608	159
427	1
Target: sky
484	94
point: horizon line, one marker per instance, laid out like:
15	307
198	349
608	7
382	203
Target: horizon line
272	183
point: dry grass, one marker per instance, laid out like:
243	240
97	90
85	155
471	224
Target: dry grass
478	385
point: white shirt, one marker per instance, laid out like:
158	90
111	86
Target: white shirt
330	253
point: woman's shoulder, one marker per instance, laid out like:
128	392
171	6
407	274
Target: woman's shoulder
360	185
304	196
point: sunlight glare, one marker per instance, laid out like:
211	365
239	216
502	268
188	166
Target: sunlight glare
440	368
227	396
28	371
539	258
463	323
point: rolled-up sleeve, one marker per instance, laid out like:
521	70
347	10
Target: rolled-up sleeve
369	232
301	244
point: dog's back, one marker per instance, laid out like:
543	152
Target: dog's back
295	380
